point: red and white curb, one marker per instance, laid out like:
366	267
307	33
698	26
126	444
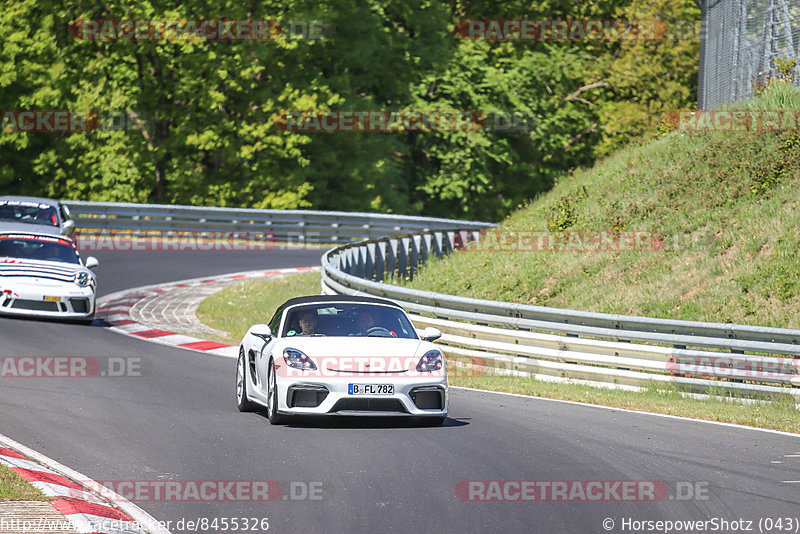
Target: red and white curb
83	502
115	310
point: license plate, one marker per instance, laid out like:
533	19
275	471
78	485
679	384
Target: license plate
371	389
52	299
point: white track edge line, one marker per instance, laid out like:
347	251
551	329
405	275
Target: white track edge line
640	412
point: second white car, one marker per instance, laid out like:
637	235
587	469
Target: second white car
43	276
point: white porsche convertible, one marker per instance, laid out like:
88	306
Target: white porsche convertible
341	355
42	275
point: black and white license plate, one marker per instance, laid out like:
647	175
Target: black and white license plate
371	389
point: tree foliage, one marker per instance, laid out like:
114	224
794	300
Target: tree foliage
198	114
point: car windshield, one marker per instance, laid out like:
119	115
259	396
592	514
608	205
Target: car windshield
28	212
346	319
38	248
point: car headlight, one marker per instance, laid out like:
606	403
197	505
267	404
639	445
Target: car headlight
430	361
83	279
298	360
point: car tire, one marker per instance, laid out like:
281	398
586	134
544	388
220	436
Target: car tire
242	400
272	391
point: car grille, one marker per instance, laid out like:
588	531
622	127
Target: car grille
35	305
368	405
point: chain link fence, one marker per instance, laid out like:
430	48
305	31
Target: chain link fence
745	43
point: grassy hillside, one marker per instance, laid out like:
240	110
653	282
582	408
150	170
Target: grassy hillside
726	202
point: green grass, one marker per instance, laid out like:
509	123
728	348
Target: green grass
726	202
237	308
15	488
780	414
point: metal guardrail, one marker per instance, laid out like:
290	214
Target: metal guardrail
549	342
296	225
511	338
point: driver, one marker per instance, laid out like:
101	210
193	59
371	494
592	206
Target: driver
364	321
308	323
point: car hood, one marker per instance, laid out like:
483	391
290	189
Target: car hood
27	228
40	270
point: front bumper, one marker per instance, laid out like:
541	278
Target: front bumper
416	397
57	300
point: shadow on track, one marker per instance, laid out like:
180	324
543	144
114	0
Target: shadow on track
366	422
54	320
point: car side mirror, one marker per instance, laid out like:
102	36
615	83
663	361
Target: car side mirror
91	262
263	331
431	334
68	227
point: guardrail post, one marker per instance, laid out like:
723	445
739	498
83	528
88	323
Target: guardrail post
425	248
449	244
414	260
402	258
380	264
369	262
346	261
391	257
438	238
352	260
360	266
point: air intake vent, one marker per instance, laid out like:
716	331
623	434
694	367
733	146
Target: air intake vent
37	305
80	305
428	398
306	396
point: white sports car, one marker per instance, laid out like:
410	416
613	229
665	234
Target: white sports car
42	275
341	355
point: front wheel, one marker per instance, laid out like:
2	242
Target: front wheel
242	401
272	394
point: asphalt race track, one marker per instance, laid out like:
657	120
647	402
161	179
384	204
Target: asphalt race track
179	422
